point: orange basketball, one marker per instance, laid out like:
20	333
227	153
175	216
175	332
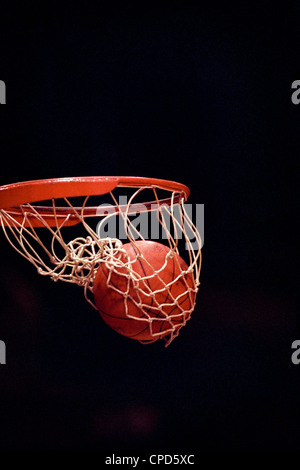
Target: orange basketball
144	305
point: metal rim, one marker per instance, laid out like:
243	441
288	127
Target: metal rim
16	194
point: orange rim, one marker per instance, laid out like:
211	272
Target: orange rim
16	194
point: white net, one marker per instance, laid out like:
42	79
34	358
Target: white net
78	241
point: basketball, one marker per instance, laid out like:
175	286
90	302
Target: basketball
147	294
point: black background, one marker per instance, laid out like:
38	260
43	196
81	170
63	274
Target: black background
201	96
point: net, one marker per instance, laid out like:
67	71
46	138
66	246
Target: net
69	242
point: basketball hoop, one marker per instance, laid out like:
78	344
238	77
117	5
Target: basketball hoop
156	286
